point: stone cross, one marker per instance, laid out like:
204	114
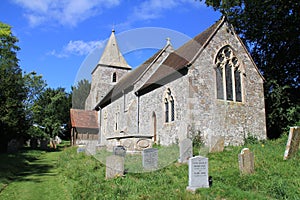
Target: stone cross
114	166
292	145
198	173
185	150
246	161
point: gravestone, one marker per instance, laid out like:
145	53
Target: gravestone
81	148
119	151
246	161
185	150
44	144
150	158
12	146
292	145
33	143
216	143
114	166
198	173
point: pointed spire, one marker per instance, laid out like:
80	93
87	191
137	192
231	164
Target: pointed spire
111	55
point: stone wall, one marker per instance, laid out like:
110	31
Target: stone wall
211	116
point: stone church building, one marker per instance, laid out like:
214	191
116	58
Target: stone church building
209	86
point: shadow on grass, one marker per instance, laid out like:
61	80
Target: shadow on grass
27	165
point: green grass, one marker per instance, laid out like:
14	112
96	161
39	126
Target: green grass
31	174
274	178
69	175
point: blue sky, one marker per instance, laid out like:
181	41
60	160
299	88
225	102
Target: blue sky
63	39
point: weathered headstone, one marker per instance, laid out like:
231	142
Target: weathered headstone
119	150
216	143
198	173
246	161
292	145
12	146
44	144
185	150
150	158
81	148
33	143
114	166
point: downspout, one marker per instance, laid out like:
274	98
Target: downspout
138	112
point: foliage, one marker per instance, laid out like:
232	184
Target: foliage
271	31
51	110
274	178
80	93
34	86
12	93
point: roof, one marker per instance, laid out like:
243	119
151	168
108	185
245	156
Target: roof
176	61
112	55
127	82
182	57
84	119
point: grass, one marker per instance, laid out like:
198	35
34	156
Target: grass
31	174
70	175
274	178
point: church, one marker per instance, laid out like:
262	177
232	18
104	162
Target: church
210	86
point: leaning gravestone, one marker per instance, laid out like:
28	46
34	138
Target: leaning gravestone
292	145
185	150
246	161
216	143
150	158
119	151
114	166
198	173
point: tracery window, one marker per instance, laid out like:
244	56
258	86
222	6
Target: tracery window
228	75
169	105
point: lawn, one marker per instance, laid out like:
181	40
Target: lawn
67	174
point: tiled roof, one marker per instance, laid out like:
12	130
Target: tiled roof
84	119
176	61
182	57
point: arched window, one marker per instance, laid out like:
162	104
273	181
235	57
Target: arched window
228	75
114	77
169	107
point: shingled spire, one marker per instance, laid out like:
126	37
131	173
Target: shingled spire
111	55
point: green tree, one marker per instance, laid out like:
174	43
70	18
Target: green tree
271	31
80	93
52	110
12	92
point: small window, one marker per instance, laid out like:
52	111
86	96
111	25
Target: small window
166	110
169	105
114	77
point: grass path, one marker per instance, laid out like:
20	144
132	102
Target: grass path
38	180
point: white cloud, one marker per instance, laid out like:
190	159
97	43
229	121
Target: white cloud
64	12
77	47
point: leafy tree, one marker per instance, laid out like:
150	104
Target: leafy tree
271	31
80	93
51	110
12	92
34	86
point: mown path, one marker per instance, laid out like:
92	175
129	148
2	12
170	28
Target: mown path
38	180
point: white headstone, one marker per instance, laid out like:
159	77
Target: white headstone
186	150
114	166
198	173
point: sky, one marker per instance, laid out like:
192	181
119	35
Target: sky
63	39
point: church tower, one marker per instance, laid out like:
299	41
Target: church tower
109	70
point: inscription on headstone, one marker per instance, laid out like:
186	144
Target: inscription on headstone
114	166
216	143
119	151
198	173
292	145
150	158
246	161
185	150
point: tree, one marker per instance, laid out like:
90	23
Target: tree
12	92
51	110
80	93
271	31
